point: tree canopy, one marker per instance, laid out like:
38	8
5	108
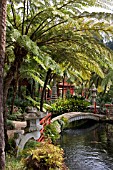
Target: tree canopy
56	34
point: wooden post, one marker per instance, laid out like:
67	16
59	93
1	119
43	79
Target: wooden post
95	107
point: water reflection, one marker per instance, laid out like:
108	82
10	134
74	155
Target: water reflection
89	148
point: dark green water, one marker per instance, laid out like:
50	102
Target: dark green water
89	148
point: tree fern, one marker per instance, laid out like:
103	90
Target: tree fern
58	31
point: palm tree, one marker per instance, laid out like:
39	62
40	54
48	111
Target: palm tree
2	57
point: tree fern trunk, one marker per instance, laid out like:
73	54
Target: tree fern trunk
44	88
48	91
33	89
20	54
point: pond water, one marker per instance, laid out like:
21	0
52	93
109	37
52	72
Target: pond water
88	148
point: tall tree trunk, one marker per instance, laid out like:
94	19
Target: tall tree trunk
14	95
48	91
44	88
2	58
20	54
33	89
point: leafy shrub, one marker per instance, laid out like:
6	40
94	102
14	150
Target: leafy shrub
51	132
12	163
32	144
45	157
29	146
69	105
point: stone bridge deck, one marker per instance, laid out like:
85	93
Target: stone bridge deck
73	116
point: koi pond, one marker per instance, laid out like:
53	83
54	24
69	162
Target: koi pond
89	147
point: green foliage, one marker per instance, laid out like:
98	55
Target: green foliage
60	31
106	97
69	105
16	115
31	144
20	103
10	125
55	32
64	119
37	104
45	157
40	156
12	147
33	102
12	163
51	132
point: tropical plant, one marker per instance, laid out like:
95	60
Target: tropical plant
103	84
51	132
55	29
45	157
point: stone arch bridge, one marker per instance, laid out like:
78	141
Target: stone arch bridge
74	116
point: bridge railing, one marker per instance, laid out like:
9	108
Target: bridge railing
45	121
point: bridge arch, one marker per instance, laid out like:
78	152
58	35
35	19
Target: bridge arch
83	116
73	116
76	116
